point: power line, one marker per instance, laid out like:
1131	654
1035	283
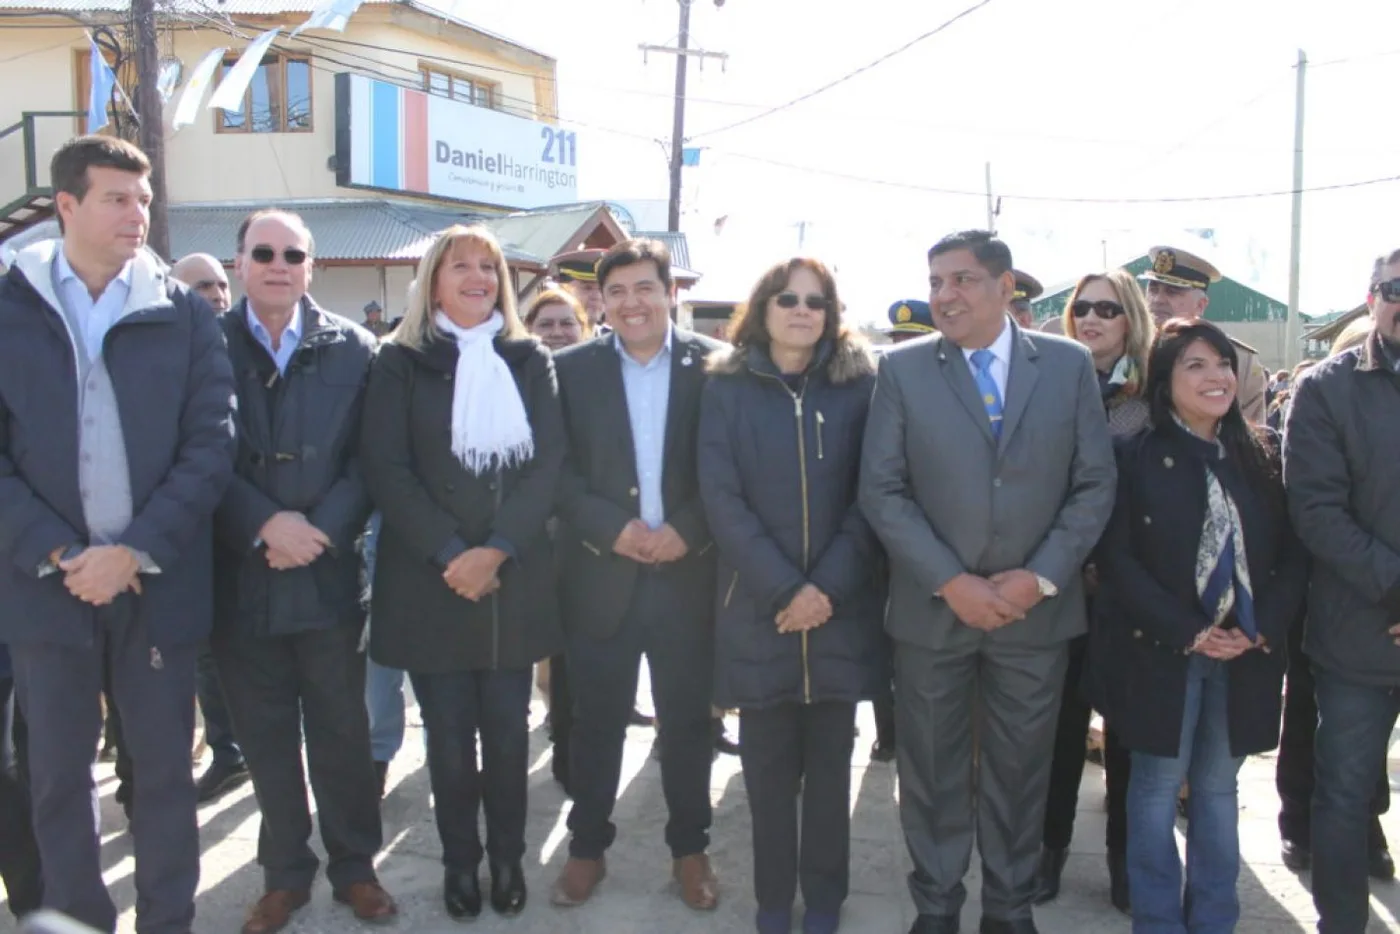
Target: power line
1058	199
846	77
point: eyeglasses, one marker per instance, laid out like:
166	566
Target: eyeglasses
1104	309
266	254
792	299
1388	291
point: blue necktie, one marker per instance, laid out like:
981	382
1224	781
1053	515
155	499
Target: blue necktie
987	388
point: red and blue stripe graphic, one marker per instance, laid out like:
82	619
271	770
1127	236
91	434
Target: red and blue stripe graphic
398	136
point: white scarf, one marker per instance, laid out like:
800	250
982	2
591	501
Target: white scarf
489	427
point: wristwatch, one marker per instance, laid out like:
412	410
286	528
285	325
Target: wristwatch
1047	589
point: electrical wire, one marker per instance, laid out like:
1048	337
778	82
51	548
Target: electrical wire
846	77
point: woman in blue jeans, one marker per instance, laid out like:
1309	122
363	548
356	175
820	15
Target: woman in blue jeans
1200	574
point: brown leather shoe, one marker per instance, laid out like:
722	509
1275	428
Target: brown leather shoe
578	880
699	887
274	910
368	900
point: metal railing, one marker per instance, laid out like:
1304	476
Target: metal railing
13	196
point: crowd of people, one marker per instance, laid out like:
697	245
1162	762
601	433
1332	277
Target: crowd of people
991	530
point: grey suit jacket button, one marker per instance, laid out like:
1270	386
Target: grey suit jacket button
1146	520
996	482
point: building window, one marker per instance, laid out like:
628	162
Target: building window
278	99
463	88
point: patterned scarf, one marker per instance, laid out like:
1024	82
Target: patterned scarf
1222	564
1124	382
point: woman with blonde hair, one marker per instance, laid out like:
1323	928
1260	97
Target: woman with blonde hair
462	445
1107	313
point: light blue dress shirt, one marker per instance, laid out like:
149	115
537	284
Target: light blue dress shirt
648	387
291	337
95	317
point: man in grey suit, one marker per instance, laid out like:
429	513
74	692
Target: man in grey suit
988	474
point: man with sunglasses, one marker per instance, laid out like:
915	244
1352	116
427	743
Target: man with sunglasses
287	614
1176	288
1340	450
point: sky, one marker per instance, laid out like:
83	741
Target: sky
1078	106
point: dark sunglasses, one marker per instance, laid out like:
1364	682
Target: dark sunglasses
1388	291
1104	309
791	300
266	254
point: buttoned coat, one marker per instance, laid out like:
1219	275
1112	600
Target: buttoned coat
599	493
945	496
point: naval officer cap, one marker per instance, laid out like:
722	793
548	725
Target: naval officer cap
1171	266
577	266
1028	287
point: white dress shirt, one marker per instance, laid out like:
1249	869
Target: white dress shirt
1001	354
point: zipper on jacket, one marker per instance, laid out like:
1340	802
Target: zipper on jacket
806	513
820	422
729	594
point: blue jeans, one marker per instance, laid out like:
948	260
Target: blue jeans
384	700
1212	837
1353	733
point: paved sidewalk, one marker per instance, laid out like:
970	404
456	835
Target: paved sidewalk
638	897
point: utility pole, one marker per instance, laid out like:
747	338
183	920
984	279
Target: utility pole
683	53
1293	327
152	125
991	209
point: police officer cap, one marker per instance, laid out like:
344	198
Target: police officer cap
911	316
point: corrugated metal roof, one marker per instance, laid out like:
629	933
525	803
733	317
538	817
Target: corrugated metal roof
545	232
675	242
344	230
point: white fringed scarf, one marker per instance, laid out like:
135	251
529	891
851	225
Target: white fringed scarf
490	429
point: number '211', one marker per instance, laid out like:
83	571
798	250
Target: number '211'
560	146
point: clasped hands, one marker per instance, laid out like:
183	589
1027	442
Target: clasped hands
988	603
808	609
473	574
1225	644
100	573
292	541
650	546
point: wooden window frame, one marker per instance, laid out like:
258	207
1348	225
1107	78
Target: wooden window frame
247	128
492	88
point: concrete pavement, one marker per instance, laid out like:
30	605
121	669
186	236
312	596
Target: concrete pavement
638	896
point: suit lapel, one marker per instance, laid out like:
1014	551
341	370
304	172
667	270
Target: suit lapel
1021	378
611	400
954	368
687	374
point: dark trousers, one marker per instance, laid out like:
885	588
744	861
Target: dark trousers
58	688
1067	766
1294	773
273	686
1353	732
456	706
113	738
19	852
561	716
1008	696
679	646
218	730
787	751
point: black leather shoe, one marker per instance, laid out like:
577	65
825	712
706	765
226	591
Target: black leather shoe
219	778
1047	874
1118	881
1005	926
461	893
507	888
1296	856
935	924
1379	864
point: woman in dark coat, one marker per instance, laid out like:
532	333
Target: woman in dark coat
799	598
1200	575
463	442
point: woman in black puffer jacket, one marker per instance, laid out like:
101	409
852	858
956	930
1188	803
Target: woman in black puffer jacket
800	598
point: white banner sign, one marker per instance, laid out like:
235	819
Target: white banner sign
407	140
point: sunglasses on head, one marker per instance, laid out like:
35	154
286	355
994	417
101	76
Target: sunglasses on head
266	254
1388	291
792	299
1104	309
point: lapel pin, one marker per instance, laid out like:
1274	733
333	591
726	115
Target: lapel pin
687	360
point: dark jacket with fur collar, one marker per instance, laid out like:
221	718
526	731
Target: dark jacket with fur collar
779	459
